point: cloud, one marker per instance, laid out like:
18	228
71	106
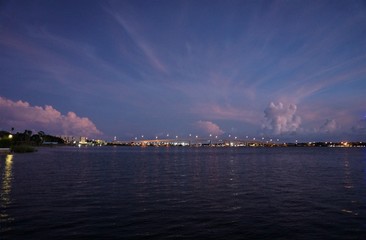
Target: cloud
227	112
281	119
360	127
209	127
21	115
131	28
329	126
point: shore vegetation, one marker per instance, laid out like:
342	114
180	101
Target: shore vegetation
25	142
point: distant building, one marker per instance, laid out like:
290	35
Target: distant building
68	139
83	140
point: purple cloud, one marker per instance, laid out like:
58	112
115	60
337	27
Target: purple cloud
209	127
360	127
21	115
329	126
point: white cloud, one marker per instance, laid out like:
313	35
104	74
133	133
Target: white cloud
21	115
281	119
209	127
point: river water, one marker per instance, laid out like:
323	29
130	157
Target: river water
183	193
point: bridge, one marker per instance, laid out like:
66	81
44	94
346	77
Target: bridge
195	142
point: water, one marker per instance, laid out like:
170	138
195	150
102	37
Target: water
184	193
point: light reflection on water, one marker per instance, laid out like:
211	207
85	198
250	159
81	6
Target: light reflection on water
348	186
5	198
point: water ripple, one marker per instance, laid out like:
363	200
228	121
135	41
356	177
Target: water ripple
184	193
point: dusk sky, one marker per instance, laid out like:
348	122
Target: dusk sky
281	69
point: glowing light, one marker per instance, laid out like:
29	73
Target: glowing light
10	136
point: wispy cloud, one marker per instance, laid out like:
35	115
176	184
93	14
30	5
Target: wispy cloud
330	125
132	30
360	127
78	69
22	115
304	87
218	112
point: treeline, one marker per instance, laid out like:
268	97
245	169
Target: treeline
27	137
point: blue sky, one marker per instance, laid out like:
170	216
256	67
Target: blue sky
286	69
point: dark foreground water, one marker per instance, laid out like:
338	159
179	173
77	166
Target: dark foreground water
184	193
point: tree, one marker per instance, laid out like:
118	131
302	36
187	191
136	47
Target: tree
27	135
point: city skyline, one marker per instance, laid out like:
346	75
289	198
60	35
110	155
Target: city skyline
279	69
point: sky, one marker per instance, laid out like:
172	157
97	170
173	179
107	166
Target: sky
273	69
